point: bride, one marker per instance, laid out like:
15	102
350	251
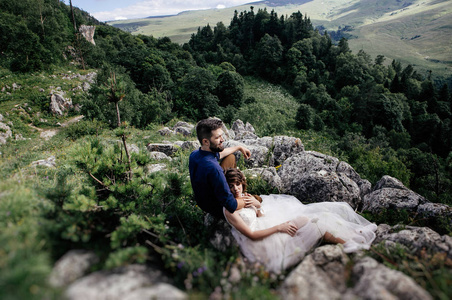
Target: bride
280	231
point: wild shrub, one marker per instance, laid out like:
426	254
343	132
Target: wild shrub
258	186
82	128
25	263
390	216
432	271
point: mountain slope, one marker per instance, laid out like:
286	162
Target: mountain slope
421	36
416	32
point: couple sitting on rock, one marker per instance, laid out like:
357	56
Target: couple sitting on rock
275	230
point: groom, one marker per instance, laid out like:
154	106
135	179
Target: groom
209	184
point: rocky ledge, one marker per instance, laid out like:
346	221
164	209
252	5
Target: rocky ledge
283	162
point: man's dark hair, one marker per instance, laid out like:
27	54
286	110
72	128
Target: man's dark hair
205	127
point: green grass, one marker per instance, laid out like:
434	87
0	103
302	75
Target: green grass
276	107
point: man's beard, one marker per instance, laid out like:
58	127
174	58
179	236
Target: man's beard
216	148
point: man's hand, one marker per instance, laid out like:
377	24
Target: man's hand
246	152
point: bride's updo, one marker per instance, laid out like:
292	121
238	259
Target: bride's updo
234	175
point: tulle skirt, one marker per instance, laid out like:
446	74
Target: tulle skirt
280	251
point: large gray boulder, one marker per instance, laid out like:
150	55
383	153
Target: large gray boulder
243	131
265	141
58	103
431	210
190	145
416	239
132	148
72	266
5	133
325	273
49	162
168	149
281	147
260	155
390	193
221	237
153	168
129	282
284	147
321	275
183	128
373	280
314	177
155	155
88	33
165	131
269	175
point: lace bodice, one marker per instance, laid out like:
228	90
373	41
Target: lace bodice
249	216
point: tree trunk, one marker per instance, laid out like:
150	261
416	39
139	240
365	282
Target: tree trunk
73	17
117	114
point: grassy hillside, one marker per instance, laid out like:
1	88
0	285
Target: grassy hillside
96	196
415	32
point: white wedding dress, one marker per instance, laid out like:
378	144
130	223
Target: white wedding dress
280	251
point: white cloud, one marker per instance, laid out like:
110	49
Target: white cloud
144	9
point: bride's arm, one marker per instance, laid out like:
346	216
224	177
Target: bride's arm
236	221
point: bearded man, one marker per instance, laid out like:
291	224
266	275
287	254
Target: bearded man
207	178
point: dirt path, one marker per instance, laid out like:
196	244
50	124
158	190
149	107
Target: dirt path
46	134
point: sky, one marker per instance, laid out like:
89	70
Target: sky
110	10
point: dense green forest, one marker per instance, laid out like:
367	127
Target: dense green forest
382	117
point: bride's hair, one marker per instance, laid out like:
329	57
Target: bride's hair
234	175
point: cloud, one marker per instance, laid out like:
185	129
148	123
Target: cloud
144	9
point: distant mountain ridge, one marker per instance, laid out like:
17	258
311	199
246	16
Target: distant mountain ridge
415	32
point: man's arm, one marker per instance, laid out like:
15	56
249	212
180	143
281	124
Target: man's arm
222	192
246	152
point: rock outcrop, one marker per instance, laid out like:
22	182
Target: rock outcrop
49	162
389	192
72	266
129	282
327	272
323	274
182	128
416	239
88	33
314	177
167	149
5	133
373	280
58	103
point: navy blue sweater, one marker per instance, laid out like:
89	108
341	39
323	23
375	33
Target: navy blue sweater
209	185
